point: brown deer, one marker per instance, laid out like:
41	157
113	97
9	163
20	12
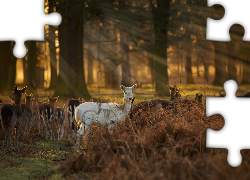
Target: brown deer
12	117
26	113
60	119
221	94
73	103
198	98
37	105
47	112
175	94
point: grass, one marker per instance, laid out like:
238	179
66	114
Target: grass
25	167
35	158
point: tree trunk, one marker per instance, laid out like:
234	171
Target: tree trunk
205	64
246	62
112	79
219	63
189	75
71	80
126	74
52	49
160	19
52	54
197	67
31	68
24	70
231	61
150	64
90	64
90	55
7	67
12	71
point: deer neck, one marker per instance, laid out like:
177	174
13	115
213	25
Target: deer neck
52	104
18	102
28	103
126	105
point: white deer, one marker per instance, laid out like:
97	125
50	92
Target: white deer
103	113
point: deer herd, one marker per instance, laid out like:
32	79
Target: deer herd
50	121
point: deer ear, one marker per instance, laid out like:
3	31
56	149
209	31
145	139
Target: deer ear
24	89
122	87
134	87
56	98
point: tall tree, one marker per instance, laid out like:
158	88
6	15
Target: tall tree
12	67
52	48
219	63
126	74
90	55
71	80
32	67
160	14
24	61
246	62
189	74
233	52
7	67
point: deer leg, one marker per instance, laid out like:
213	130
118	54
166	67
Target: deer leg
32	121
17	129
26	127
62	131
81	131
75	130
46	129
111	126
53	124
58	131
8	140
50	131
69	129
29	122
39	124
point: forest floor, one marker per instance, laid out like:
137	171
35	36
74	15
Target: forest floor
153	144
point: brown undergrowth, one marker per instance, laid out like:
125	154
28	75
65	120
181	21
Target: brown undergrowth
156	143
159	140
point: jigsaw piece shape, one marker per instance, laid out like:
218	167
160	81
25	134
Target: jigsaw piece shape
235	11
236	113
28	24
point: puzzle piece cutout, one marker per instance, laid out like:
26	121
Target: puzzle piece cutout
17	27
235	111
235	11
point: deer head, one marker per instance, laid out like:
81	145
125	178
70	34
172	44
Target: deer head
128	92
17	95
